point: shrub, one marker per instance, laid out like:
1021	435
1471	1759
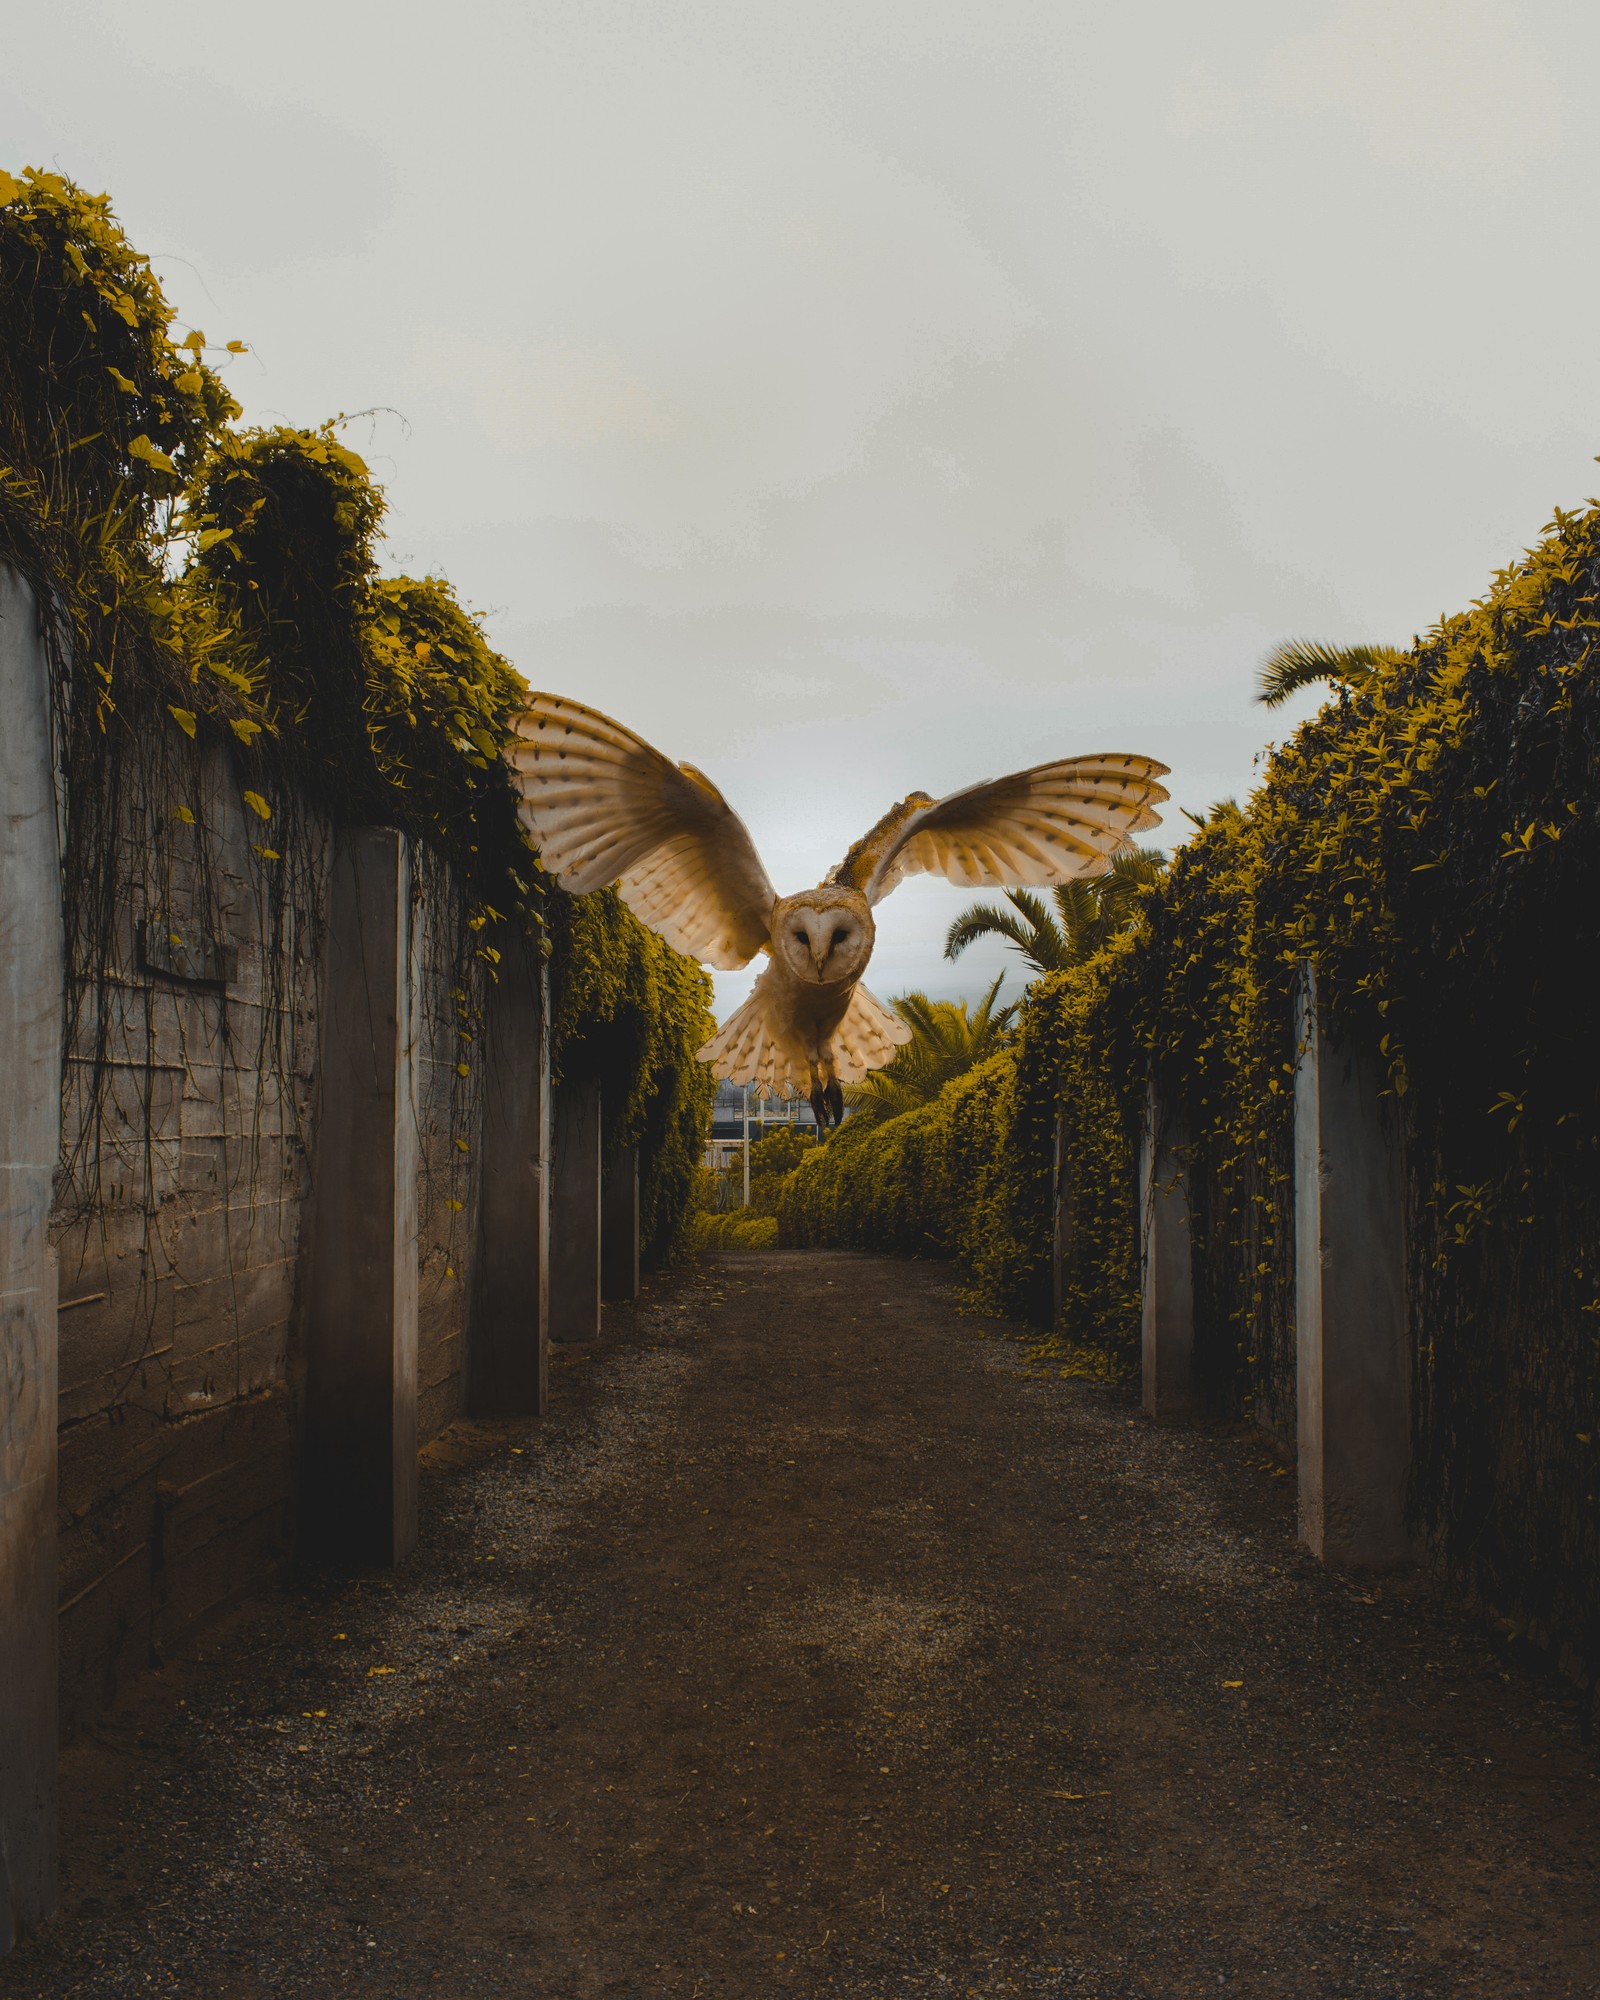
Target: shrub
1430	843
933	1182
739	1230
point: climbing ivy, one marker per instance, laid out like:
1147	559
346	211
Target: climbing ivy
628	1008
1429	842
222	585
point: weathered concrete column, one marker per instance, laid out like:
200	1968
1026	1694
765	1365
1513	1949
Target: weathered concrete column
619	1228
508	1349
575	1215
361	1307
1168	1277
1352	1349
31	981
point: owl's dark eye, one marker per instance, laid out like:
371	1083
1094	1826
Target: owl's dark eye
839	937
798	936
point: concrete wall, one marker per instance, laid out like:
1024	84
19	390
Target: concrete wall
360	1320
1353	1348
509	1350
30	1124
276	1166
1167	1327
575	1230
191	1054
619	1228
194	1023
449	1113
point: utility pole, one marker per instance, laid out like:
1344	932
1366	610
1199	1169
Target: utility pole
747	1145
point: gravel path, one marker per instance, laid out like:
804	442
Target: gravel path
819	1644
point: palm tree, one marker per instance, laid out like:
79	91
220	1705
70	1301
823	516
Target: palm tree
1301	663
946	1041
1086	914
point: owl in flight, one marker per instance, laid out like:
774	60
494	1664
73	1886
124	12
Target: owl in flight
603	807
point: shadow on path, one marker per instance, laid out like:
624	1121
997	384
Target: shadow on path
816	1644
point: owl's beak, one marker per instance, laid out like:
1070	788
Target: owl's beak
818	950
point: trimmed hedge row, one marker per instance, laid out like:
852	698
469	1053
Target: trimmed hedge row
1430	842
934	1182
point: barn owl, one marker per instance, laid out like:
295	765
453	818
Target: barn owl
603	807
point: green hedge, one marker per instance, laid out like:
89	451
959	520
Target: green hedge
737	1230
222	585
934	1182
1430	842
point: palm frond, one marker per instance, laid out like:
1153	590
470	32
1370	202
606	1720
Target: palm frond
1077	902
947	1039
1088	911
1131	876
1301	663
984	920
1028	926
1031	908
988	1026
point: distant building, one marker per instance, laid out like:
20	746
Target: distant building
728	1114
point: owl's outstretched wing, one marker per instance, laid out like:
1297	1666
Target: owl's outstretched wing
602	806
1032	829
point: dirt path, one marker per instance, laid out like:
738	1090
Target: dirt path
817	1645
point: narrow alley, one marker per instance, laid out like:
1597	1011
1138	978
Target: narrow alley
820	1642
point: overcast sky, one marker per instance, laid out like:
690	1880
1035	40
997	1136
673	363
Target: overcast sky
855	396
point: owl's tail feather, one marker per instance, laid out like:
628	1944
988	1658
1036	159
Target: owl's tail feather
866	1038
750	1047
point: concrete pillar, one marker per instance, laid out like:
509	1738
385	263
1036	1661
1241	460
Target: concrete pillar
1168	1278
361	1307
575	1215
508	1346
31	982
1352	1348
619	1228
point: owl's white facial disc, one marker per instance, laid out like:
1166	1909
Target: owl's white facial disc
824	937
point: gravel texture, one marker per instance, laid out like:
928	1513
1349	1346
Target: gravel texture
820	1643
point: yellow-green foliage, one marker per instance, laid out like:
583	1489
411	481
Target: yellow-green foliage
380	695
1430	842
933	1182
223	584
628	1008
970	1176
104	419
773	1157
1070	1094
739	1229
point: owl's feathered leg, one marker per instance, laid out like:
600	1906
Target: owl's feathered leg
827	1105
827	1093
